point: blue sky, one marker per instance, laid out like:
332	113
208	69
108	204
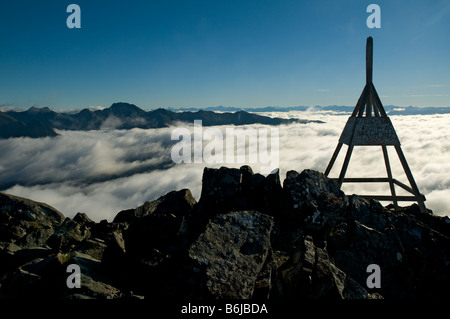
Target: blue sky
232	53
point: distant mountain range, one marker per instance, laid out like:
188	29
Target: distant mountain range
42	122
390	109
13	127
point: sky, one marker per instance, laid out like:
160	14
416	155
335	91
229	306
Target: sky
232	53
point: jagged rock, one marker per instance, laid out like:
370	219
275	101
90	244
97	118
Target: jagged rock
260	193
425	258
26	255
295	272
125	216
264	283
313	200
103	229
161	225
144	252
397	242
247	237
94	247
231	189
231	255
23	284
68	235
221	189
93	282
329	282
368	212
156	231
365	246
25	222
312	205
7	252
179	203
309	186
39	278
83	219
311	274
116	242
114	255
45	277
92	289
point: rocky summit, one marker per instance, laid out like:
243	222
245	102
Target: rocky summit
248	237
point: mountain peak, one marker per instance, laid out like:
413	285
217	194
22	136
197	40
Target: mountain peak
124	106
125	109
122	115
163	111
36	110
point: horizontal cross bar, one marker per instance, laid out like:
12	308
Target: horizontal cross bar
416	197
366	180
377	180
419	198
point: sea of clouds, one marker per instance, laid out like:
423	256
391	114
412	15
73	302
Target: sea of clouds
103	172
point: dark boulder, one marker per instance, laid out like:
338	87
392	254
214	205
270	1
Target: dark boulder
179	203
160	224
313	202
231	189
232	259
221	190
93	247
311	274
412	255
25	222
39	278
83	219
68	235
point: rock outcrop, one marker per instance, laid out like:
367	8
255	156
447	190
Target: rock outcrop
26	223
233	257
248	237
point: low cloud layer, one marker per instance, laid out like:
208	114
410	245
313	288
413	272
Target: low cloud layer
103	172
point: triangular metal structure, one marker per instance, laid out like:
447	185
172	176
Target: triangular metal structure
369	125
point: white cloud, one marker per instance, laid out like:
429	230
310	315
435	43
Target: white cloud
427	95
112	122
7	107
437	85
104	200
103	172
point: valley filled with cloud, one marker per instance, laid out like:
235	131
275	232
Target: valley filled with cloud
102	172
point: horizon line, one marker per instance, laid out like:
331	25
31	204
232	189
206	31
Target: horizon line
6	107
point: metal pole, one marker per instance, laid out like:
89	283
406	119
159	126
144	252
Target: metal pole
369	59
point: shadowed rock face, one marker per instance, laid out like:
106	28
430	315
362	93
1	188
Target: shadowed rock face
249	236
26	223
233	256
